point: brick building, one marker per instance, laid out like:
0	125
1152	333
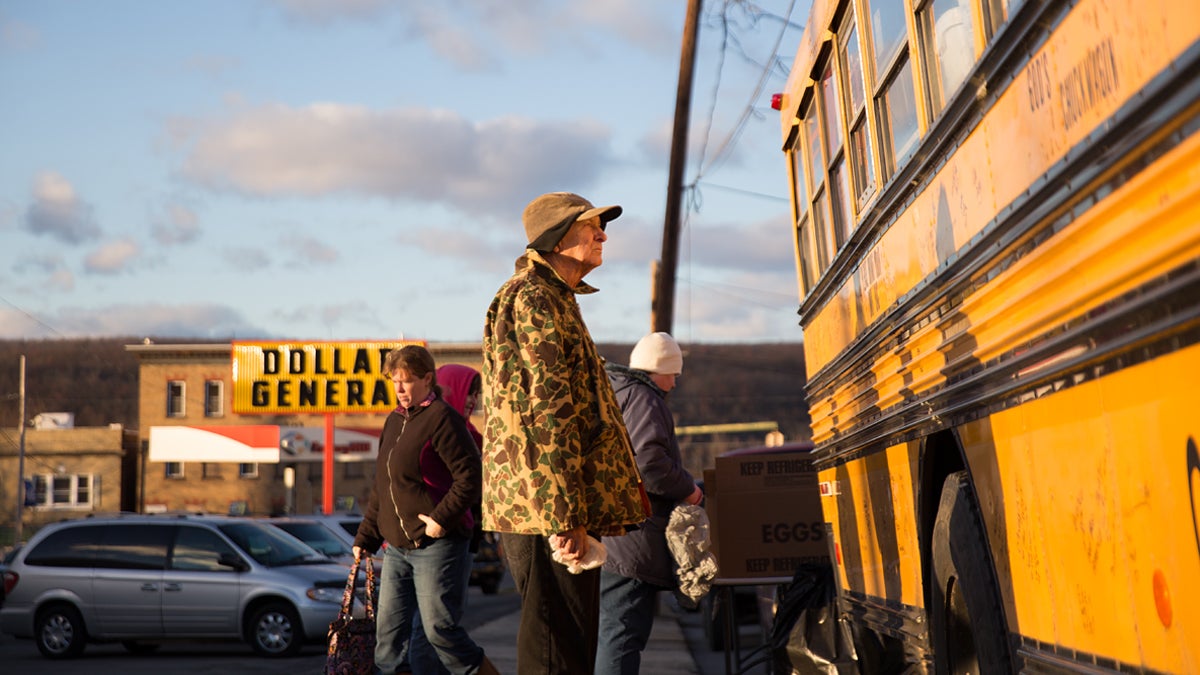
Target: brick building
71	472
192	455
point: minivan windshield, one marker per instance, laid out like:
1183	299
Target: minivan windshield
270	546
315	535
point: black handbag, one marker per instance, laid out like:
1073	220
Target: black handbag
351	648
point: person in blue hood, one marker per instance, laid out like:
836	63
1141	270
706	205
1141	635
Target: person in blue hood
639	564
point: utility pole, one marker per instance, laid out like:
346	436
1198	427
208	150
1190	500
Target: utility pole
663	302
18	529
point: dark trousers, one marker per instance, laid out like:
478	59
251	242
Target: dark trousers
560	611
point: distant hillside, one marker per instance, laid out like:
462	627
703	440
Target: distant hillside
96	379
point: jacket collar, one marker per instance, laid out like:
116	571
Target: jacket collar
535	263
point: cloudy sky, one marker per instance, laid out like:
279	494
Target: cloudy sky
356	169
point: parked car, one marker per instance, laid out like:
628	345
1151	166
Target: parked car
324	536
487	570
143	579
4	562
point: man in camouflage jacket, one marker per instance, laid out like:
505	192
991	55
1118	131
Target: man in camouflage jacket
557	461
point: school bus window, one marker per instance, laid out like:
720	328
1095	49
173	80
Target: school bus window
889	31
798	181
805	242
860	144
812	133
825	244
807	245
843	215
947	39
833	119
898	117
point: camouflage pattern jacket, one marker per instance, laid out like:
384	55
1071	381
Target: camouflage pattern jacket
556	454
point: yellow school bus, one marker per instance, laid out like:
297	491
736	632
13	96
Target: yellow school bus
996	210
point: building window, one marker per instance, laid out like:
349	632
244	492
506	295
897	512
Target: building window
316	473
210	470
173	470
248	470
214	398
63	491
354	470
176	390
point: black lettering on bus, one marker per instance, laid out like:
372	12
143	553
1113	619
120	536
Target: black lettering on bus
318	366
308	393
331	393
283	393
337	361
383	352
270	361
260	396
362	361
354	392
1038	83
1093	78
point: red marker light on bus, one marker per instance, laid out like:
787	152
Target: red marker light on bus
776	101
1162	598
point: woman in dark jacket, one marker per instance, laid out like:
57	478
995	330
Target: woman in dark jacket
427	476
639	564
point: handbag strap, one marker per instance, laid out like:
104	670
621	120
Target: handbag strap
348	594
369	602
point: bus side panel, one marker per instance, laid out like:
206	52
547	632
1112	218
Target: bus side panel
870	502
1096	536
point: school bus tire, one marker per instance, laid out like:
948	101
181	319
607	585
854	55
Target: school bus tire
966	616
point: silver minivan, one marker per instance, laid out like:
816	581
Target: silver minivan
143	579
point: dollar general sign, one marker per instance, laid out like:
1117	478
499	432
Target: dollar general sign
312	377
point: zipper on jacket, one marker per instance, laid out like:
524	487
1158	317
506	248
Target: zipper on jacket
391	483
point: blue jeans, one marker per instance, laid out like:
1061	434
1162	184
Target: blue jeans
422	657
429	581
626	618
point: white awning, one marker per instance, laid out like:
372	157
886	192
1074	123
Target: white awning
248	443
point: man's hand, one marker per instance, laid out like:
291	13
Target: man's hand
432	527
358	552
572	545
696	497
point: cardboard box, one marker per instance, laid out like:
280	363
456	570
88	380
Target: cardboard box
764	512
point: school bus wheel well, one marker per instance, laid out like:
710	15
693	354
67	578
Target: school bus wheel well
942	456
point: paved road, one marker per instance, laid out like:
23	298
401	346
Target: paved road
21	657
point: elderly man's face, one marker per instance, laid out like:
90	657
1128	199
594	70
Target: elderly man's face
584	242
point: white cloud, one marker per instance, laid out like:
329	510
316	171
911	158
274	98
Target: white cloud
56	275
246	259
307	250
178	225
426	155
148	320
58	212
112	258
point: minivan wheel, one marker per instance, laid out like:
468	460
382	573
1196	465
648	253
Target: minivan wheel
274	630
60	632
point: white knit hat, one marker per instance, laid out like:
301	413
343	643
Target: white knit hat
657	353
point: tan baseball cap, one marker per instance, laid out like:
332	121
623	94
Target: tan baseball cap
548	217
